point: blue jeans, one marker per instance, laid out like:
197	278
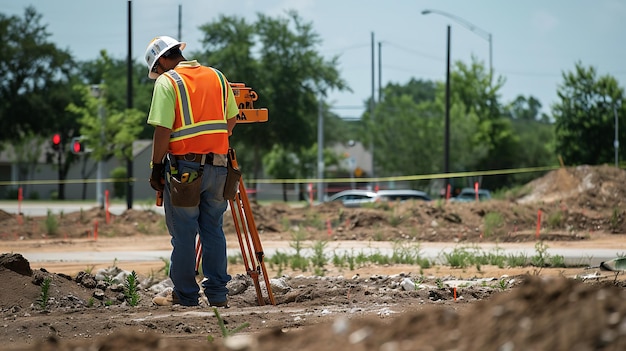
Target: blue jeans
206	219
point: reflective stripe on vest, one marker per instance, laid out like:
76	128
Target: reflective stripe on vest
190	128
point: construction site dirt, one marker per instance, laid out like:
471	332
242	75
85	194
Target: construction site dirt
343	302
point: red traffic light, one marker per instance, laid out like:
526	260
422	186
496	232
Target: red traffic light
78	145
56	141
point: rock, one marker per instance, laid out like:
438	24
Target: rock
17	263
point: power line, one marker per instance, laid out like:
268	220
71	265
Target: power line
415	52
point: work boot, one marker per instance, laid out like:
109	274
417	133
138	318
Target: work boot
169	299
223	304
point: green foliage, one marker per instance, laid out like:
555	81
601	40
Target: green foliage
555	219
319	259
166	266
44	295
107	132
52	223
585	116
131	286
493	221
541	257
278	57
34	89
225	331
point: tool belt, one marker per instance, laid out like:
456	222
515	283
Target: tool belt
210	158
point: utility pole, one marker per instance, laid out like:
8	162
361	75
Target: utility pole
180	21
129	105
380	71
446	154
320	151
371	126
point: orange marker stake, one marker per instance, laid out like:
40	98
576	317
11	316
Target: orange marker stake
106	206
330	231
95	230
454	293
538	224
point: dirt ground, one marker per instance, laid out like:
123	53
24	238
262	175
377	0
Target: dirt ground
387	307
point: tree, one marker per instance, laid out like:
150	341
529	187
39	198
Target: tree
113	73
36	75
472	85
584	117
277	57
106	136
525	108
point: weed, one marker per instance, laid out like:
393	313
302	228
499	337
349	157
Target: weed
541	257
351	260
615	219
281	260
44	295
319	259
130	289
557	261
225	331
235	259
298	237
91	302
519	260
439	283
166	266
555	220
378	236
502	284
52	224
299	262
458	258
492	221
285	223
395	220
89	269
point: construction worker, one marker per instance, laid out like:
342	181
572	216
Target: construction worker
192	110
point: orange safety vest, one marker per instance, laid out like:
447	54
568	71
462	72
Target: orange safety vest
200	114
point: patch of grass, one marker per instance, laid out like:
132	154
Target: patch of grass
555	220
51	223
493	221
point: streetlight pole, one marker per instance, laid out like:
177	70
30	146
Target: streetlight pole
481	32
96	91
616	140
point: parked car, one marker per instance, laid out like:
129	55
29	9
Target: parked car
401	195
469	195
356	198
353	197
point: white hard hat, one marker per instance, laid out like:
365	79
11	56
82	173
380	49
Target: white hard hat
157	47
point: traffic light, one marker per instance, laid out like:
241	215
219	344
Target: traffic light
78	146
56	142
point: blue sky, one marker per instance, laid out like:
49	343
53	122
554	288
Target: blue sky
533	41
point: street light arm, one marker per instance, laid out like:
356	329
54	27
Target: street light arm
483	33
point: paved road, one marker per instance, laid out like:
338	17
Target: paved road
41	208
572	253
432	251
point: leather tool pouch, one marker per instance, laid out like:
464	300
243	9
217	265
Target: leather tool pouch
233	177
185	194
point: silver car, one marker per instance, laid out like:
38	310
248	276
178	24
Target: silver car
356	197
